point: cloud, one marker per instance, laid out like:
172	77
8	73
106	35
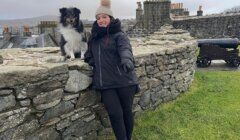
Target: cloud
15	9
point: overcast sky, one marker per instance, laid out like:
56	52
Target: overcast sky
17	9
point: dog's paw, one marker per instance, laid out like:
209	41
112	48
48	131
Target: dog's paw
71	59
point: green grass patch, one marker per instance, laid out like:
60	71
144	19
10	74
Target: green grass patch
210	110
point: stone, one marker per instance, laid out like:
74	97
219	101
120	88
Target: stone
53	59
47	97
25	103
143	83
80	114
106	131
25	129
74	101
44	134
7	135
39	114
140	71
106	122
47	105
66	115
101	113
91	136
21	93
80	128
68	97
56	69
156	97
88	98
145	100
13	118
44	86
151	70
78	64
51	121
75	128
139	61
1	59
63	124
60	109
77	81
5	92
153	82
15	75
89	118
7	102
137	108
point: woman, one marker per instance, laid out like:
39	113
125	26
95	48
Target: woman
110	54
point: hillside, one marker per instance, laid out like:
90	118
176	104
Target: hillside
28	21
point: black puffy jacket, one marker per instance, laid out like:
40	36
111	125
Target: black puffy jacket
106	49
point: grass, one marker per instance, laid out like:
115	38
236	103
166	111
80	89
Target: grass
210	110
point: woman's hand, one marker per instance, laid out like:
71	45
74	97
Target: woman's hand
127	65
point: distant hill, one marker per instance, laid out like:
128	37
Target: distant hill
28	21
235	9
33	21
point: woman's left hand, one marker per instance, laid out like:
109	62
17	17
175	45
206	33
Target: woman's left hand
127	65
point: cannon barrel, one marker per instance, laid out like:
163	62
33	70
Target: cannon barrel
221	42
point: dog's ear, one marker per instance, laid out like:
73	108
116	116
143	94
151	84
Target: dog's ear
77	10
62	10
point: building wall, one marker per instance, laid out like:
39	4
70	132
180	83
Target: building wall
156	13
219	26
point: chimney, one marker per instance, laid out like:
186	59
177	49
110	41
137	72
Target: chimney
6	30
200	12
26	31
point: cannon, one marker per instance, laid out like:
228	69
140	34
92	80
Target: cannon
218	49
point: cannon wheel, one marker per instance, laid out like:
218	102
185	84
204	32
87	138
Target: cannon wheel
235	62
206	62
203	62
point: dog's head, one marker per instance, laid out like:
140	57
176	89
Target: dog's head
70	16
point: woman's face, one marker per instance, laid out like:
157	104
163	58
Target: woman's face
103	20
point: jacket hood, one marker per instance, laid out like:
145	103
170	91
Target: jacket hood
112	28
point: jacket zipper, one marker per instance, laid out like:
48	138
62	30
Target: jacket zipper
119	70
100	70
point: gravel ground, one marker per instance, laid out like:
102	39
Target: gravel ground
219	65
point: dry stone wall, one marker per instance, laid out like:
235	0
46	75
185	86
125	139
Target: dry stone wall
42	96
215	26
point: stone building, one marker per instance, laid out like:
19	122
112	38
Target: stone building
148	20
200	12
48	27
139	12
159	12
156	14
178	10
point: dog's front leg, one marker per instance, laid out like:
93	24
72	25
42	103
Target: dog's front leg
72	56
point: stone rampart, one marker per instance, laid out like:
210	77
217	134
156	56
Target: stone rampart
42	96
215	26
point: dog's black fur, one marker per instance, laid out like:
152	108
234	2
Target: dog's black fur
70	21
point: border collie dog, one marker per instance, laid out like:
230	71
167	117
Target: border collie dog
72	37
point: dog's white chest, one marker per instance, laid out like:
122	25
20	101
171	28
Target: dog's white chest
71	35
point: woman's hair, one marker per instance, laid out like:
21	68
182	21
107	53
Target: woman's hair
112	18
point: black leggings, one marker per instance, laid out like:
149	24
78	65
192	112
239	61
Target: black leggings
118	103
